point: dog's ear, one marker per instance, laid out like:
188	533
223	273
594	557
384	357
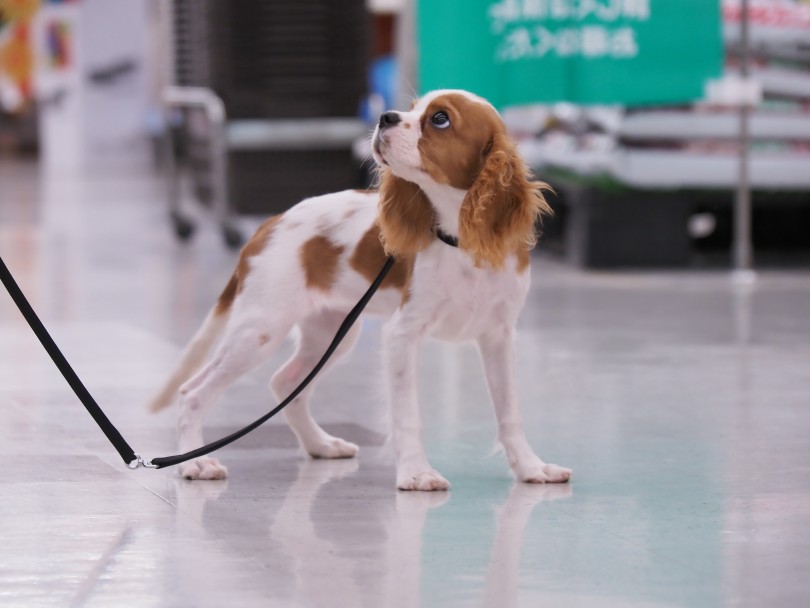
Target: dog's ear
499	213
406	216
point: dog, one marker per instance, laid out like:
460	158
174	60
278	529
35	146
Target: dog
458	209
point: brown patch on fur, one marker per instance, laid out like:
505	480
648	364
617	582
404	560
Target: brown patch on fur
368	259
263	339
228	295
349	214
406	217
320	257
501	209
455	155
474	153
253	247
524	258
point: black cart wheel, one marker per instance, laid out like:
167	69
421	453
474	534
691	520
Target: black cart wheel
183	227
232	236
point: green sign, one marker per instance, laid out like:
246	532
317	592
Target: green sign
585	51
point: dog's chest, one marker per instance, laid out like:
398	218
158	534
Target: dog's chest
462	302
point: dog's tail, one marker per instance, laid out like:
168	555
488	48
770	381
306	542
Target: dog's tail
192	359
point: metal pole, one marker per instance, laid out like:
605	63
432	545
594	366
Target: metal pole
171	165
743	249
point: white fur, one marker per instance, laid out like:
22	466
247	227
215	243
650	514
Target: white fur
450	299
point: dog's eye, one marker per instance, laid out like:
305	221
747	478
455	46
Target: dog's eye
440	120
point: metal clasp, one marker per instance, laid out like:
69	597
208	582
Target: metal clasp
140	462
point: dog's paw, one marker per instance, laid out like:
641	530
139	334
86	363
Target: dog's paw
427	480
203	468
334	447
540	472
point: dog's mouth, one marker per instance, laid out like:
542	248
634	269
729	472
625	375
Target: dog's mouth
376	147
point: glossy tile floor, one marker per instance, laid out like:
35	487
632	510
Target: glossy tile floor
681	401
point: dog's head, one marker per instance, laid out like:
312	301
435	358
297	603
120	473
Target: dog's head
455	141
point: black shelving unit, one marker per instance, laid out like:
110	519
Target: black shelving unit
273	65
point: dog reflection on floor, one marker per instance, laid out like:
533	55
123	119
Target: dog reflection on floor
336	545
321	572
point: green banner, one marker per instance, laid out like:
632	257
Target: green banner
632	52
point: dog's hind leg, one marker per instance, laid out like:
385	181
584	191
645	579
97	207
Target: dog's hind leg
246	344
317	332
193	358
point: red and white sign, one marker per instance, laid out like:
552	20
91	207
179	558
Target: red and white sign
773	13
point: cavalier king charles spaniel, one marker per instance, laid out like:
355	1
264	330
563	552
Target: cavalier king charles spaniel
457	208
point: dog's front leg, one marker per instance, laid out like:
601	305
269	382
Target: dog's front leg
401	346
498	353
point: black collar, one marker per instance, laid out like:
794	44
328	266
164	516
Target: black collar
446	238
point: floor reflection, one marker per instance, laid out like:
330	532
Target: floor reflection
375	555
320	570
405	545
502	580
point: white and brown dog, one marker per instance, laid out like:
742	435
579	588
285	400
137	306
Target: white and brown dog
447	167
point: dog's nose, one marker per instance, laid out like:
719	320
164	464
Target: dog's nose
389	119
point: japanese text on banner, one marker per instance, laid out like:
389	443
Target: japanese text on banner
592	29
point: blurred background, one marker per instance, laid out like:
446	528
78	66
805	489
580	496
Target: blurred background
631	109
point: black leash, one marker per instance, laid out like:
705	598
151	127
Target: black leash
129	456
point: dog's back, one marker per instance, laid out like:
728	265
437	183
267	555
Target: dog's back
320	255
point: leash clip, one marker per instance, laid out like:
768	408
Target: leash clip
140	462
